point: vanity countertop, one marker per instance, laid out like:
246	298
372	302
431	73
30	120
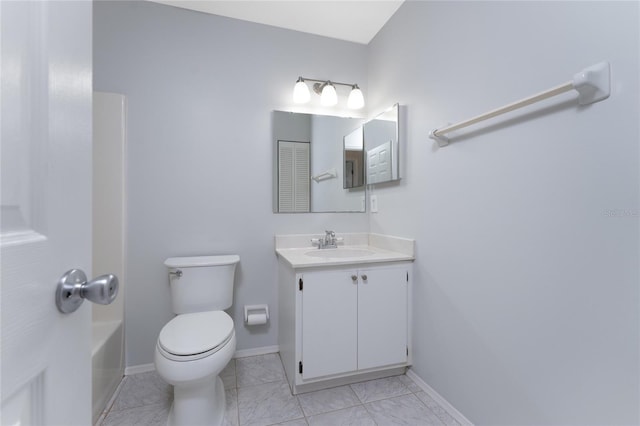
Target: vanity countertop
357	249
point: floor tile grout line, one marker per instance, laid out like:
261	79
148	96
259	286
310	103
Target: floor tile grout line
263	383
434	413
420	390
332	411
364	404
237	399
356	393
400	381
298	402
112	401
370	414
419	400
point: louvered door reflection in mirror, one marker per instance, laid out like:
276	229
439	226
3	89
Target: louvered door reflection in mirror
293	176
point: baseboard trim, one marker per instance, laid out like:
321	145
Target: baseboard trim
145	368
137	369
257	351
439	399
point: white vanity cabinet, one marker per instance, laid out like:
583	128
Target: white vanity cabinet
383	309
342	324
329	317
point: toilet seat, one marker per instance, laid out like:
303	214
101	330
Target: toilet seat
188	337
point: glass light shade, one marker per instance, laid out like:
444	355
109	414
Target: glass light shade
301	92
356	100
329	96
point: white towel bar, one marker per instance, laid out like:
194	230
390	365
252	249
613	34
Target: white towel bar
329	174
592	84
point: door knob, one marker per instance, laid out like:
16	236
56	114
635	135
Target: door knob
354	278
73	288
364	277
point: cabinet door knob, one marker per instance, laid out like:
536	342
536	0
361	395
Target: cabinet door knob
354	278
364	277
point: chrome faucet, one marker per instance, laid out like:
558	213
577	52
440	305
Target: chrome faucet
329	240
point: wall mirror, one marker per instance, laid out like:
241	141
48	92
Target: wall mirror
381	137
321	163
309	163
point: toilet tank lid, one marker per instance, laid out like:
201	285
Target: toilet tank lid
195	261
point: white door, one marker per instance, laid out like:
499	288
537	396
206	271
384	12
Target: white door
382	317
379	163
45	123
329	323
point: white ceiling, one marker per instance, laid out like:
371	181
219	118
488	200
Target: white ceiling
352	20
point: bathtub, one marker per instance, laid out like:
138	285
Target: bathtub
107	363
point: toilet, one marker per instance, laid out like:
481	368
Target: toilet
195	346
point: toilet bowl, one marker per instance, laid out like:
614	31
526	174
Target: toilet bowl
191	352
194	347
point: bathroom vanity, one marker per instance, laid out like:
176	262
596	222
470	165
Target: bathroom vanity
344	312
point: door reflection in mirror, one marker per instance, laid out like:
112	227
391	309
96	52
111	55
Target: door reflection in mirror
354	159
293	176
381	143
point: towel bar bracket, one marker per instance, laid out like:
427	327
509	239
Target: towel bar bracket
593	83
442	140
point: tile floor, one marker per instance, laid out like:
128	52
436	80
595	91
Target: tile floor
258	395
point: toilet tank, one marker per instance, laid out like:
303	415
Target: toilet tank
201	283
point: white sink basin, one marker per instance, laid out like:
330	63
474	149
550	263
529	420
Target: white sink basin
340	253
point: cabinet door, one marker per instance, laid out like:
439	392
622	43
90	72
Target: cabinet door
382	317
329	323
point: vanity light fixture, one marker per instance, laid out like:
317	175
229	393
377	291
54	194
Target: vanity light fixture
301	93
327	91
328	96
356	100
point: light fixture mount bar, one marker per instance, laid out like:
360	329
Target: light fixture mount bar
324	81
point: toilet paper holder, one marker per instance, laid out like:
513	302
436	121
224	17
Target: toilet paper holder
256	314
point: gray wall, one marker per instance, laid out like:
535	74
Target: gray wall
526	281
200	90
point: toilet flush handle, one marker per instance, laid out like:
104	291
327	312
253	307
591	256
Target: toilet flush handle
177	273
